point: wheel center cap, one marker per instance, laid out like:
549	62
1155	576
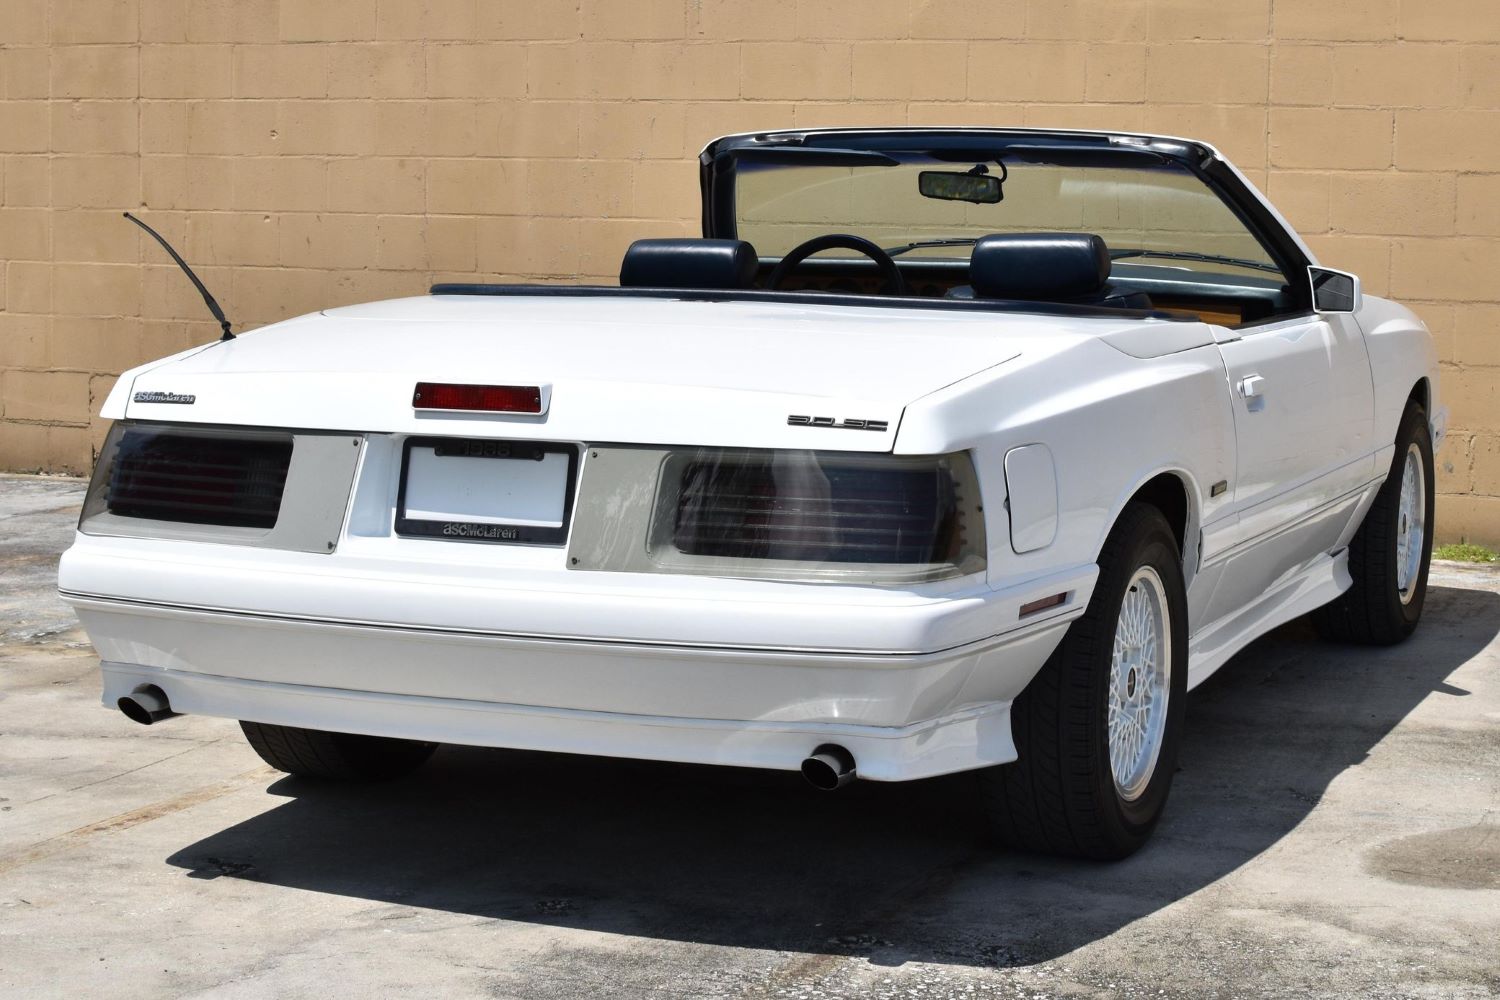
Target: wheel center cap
1130	683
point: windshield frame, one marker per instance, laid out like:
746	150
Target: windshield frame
718	171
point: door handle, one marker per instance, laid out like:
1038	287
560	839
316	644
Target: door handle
1250	386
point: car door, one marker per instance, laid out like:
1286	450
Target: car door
1303	403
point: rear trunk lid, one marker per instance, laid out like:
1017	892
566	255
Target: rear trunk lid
640	370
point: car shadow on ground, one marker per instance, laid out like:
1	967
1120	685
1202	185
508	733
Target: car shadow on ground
891	873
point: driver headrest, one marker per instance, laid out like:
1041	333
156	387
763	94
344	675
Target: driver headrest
689	263
1051	267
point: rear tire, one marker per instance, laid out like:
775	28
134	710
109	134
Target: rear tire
313	753
1080	786
1390	554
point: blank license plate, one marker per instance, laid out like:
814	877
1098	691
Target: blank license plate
481	490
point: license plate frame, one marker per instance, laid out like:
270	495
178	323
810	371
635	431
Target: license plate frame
490	531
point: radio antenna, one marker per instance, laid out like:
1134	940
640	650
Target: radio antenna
208	299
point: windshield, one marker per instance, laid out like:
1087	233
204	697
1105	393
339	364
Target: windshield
1158	212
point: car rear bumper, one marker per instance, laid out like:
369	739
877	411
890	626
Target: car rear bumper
974	737
901	717
476	678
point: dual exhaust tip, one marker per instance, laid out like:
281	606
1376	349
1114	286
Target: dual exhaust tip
146	704
829	768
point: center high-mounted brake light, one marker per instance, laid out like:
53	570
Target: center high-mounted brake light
485	398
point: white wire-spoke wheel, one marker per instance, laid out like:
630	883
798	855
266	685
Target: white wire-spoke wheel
1097	729
1389	555
1411	524
1140	677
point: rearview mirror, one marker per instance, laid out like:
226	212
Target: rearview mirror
981	189
1334	291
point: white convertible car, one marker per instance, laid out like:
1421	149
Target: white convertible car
1060	422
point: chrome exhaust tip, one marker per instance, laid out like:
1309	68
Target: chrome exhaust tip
146	704
829	768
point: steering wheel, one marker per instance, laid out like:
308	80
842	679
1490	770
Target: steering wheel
894	283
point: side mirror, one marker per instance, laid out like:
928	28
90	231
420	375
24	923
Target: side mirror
1333	291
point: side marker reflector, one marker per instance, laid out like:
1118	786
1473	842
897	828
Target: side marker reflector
1042	604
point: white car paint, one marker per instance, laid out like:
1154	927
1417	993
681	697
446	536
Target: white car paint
648	370
506	646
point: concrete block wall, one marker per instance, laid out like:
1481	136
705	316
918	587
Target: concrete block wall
306	154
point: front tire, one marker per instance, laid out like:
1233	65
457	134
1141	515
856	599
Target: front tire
1097	730
1391	552
313	753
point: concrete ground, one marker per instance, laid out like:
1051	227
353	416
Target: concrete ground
1334	832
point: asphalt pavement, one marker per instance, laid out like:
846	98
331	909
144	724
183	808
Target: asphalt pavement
1334	831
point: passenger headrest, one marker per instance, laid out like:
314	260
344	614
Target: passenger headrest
1051	267
689	263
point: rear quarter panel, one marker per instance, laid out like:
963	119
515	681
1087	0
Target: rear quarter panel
1111	421
1402	354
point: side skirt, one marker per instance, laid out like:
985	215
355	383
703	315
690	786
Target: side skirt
1313	587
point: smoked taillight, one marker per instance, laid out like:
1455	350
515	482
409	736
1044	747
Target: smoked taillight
199	478
846	517
795	507
822	514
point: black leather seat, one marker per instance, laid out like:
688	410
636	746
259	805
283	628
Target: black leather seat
689	263
1045	267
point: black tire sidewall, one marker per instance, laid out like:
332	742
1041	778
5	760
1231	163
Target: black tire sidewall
1370	611
1414	430
1132	821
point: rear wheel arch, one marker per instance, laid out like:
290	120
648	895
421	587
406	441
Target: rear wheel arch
1421	394
1168	493
1172	493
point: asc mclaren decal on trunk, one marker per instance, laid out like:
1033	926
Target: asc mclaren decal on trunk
163	397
